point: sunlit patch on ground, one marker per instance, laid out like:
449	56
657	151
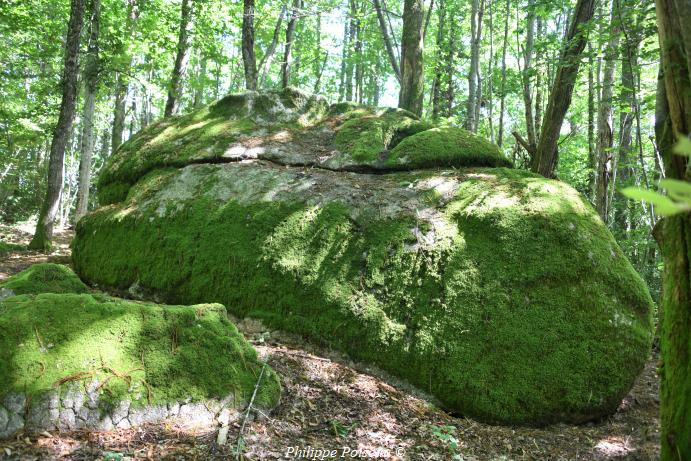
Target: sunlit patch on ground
613	447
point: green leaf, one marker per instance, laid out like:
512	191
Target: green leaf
664	206
676	189
683	147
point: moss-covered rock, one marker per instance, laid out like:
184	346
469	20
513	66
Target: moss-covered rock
500	292
445	147
292	128
59	347
43	278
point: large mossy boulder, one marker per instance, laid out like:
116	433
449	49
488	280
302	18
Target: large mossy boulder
500	292
72	360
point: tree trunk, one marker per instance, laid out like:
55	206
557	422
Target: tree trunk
249	60
502	103
201	81
44	229
344	60
387	40
605	138
545	159
290	36
349	62
629	68
412	77
450	69
527	70
674	236
436	84
592	159
359	71
471	121
90	87
123	79
181	59
265	63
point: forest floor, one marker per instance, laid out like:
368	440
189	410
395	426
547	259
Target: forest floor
331	402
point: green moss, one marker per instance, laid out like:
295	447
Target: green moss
146	353
524	310
367	135
9	247
45	278
445	147
204	135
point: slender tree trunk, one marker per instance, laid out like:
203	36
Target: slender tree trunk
265	63
90	87
450	69
436	84
349	63
249	60
345	56
181	59
471	121
605	138
592	159
629	68
538	83
201	82
527	71
502	103
387	40
290	37
44	229
412	76
123	79
546	156
359	71
674	236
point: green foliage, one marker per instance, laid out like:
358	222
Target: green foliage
526	312
146	353
447	435
678	198
45	278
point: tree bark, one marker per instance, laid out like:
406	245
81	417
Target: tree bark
436	84
249	60
201	81
674	236
526	75
450	69
592	158
123	79
290	36
546	157
44	229
387	40
412	77
90	87
473	106
265	63
605	138
502	103
182	58
345	56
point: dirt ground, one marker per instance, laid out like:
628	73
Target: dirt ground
352	410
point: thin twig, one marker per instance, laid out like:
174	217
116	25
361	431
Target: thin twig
249	408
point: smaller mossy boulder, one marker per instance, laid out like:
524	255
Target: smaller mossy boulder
366	135
82	358
43	278
445	147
